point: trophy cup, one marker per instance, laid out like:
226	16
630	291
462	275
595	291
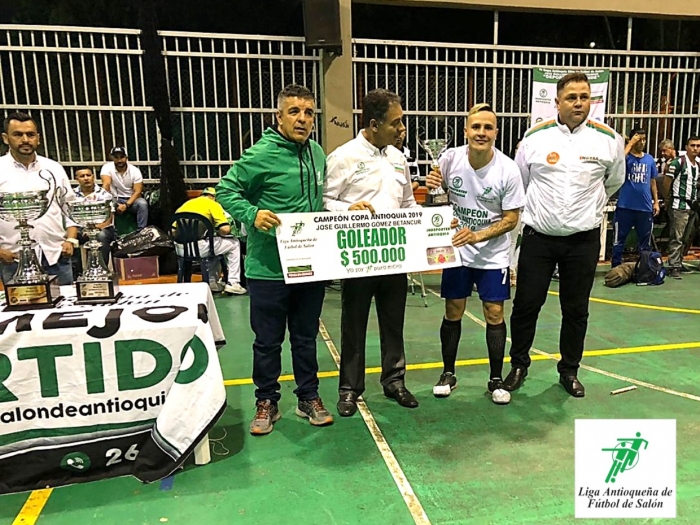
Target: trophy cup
30	287
434	148
97	285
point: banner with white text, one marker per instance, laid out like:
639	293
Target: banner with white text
327	246
544	91
90	392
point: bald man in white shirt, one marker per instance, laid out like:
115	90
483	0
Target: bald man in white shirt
486	193
369	173
570	166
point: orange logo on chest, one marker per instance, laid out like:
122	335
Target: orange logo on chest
553	157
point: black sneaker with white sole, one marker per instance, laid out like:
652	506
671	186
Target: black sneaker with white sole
445	385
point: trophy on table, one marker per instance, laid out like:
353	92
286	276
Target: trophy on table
30	287
97	285
434	148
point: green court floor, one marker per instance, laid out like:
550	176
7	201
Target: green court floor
461	460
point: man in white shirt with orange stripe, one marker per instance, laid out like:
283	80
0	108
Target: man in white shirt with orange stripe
570	166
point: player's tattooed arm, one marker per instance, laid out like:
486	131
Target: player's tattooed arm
506	224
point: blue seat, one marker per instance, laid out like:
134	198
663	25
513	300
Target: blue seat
187	230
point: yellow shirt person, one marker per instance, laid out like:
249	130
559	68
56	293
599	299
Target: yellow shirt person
229	247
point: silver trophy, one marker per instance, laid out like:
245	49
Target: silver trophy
97	285
30	287
434	148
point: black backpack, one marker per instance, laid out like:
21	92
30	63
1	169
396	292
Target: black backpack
649	269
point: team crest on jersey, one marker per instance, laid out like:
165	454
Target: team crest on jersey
487	196
456	185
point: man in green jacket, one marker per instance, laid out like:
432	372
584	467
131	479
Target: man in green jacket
282	173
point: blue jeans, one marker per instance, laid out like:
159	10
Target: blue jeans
275	305
63	269
623	222
139	208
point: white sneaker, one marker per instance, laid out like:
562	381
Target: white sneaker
235	289
445	385
500	396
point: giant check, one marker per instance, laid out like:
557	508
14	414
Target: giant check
327	246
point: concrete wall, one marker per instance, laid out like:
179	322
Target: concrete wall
640	8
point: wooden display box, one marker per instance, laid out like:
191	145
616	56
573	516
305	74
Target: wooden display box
137	268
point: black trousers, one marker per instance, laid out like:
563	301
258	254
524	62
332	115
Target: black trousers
274	308
577	257
389	292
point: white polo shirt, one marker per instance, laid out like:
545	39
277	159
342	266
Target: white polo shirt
359	171
122	183
49	231
478	198
569	175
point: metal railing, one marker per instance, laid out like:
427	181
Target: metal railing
85	88
439	82
223	93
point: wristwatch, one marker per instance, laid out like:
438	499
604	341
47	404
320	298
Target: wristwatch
74	242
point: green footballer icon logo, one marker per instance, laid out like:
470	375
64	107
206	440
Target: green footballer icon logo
76	462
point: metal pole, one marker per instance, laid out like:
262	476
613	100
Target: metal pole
627	75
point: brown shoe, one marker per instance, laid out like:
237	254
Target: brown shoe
315	412
266	414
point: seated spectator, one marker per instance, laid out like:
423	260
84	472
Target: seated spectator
88	190
125	182
225	243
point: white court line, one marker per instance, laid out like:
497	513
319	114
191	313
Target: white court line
409	496
591	368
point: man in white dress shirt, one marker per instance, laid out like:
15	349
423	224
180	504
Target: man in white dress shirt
369	173
55	235
570	166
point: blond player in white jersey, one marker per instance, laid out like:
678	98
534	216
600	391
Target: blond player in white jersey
486	193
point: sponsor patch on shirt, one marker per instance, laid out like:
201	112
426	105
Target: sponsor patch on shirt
399	168
583	158
553	158
487	196
361	169
456	185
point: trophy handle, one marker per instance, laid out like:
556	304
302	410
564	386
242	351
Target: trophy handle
53	194
449	135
